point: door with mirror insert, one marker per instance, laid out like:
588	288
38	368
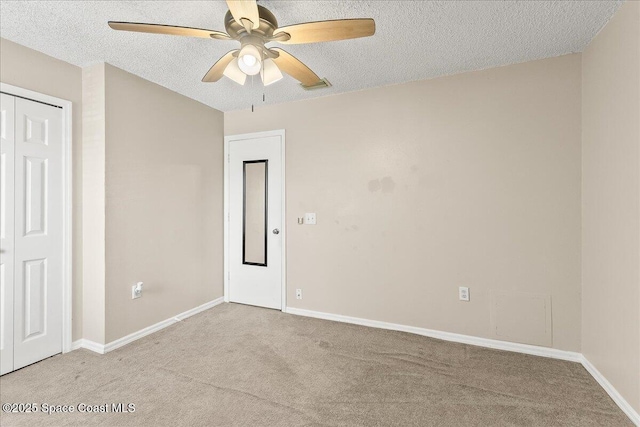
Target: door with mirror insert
255	220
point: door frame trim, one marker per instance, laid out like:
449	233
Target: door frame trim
283	231
67	202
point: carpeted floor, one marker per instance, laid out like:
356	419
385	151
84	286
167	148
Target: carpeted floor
236	365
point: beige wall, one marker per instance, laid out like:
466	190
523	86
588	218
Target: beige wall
164	193
162	197
469	180
29	69
611	202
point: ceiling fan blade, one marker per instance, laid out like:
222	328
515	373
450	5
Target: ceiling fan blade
168	29
243	11
295	68
326	31
216	72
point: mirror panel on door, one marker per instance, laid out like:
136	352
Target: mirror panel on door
254	215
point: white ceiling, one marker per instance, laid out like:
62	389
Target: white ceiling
414	40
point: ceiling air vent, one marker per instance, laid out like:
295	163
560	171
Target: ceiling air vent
320	85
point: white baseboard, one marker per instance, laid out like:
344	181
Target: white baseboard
89	345
612	392
105	348
484	342
446	336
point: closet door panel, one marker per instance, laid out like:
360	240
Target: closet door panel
38	232
7	250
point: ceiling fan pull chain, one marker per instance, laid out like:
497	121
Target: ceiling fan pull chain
252	110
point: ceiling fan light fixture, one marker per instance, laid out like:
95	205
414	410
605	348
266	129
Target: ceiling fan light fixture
234	72
250	60
270	72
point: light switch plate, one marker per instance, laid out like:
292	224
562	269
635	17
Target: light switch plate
136	290
310	219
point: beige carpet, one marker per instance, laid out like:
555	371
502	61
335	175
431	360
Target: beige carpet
236	365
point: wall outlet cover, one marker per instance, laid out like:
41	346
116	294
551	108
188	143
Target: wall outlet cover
310	219
463	293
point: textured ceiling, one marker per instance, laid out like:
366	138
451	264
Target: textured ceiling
414	40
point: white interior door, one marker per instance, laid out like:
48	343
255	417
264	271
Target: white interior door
7	206
255	220
32	243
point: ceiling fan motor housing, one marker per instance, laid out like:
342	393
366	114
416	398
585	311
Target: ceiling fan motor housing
268	24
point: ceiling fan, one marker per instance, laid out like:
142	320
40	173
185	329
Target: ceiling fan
254	26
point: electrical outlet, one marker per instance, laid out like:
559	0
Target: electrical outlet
310	219
463	293
136	290
298	293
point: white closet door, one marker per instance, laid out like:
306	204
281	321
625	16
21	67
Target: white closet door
38	232
7	135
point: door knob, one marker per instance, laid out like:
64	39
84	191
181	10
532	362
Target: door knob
276	231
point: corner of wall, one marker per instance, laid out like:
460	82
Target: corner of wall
93	208
611	204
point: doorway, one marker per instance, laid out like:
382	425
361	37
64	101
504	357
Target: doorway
255	235
35	286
